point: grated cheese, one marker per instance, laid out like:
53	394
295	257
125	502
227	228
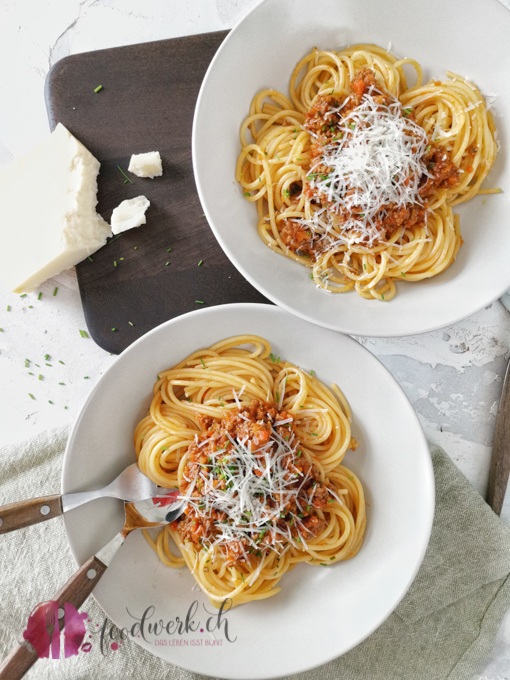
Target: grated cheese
252	478
375	159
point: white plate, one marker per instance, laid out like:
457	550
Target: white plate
320	612
468	37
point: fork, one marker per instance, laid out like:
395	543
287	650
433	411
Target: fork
130	485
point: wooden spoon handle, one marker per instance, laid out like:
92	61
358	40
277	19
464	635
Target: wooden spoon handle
24	513
500	461
75	592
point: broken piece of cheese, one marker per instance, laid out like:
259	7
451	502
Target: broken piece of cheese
49	222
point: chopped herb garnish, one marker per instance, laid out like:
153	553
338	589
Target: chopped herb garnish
86	377
98	89
114	329
131	323
40	377
23	295
126	178
199	302
61	383
312	373
8	308
55	291
202	362
84	334
406	112
382	296
247	193
40	295
352	125
311	275
274	358
115	263
27	363
1	330
90	259
31	396
200	263
61	362
50	402
47	357
404	274
286	193
167	263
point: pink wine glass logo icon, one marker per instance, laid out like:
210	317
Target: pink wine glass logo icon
48	623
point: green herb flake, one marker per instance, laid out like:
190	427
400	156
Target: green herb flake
40	377
61	362
47	357
286	193
382	296
167	263
131	323
312	373
115	263
202	362
168	250
403	274
352	125
40	295
31	396
90	259
8	308
98	89
27	363
407	111
200	263
247	193
114	330
50	402
23	295
61	383
1	330
55	291
199	302
86	377
126	178
84	334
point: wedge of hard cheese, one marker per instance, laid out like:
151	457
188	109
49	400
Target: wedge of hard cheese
49	220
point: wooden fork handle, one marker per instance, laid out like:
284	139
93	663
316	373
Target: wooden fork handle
24	513
75	592
500	461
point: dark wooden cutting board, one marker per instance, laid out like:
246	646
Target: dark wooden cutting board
150	274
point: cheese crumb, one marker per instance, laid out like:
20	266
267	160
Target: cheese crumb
146	164
49	221
129	214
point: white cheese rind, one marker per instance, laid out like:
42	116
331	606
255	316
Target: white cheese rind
49	221
129	214
146	164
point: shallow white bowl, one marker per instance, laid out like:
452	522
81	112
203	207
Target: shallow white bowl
468	37
320	612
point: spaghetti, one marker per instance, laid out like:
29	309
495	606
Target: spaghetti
255	445
356	174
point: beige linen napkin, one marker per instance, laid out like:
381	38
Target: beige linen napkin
443	628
